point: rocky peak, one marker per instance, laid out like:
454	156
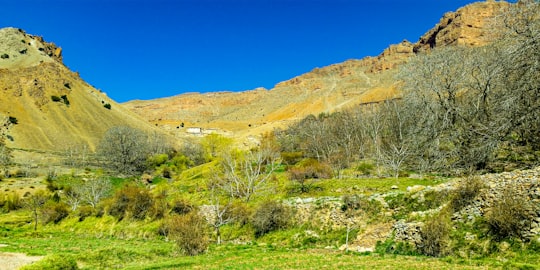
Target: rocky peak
19	49
466	26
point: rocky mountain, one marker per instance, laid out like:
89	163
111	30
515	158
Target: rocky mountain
324	89
44	105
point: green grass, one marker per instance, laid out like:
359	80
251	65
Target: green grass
114	253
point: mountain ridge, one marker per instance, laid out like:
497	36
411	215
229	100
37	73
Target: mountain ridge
321	90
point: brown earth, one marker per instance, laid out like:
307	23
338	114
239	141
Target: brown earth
323	90
33	114
32	75
13	261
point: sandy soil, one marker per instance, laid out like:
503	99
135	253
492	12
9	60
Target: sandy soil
13	261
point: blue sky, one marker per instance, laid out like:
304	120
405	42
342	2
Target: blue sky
144	49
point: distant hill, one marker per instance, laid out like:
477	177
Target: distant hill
44	105
326	89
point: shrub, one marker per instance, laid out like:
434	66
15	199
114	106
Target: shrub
240	213
435	235
13	120
54	212
509	215
365	168
85	211
65	99
291	158
54	262
56	98
466	192
107	105
5	56
355	202
182	207
12	202
189	233
136	201
270	216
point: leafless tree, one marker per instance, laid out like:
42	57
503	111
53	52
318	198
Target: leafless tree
124	149
243	174
219	214
93	190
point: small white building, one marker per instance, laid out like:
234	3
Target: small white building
194	130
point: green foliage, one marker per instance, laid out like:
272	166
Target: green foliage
12	202
107	106
54	262
4	56
270	216
405	203
54	212
390	246
215	145
157	160
56	98
291	158
366	168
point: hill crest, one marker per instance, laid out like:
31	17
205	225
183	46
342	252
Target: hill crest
325	89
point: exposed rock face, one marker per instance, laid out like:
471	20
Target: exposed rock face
466	26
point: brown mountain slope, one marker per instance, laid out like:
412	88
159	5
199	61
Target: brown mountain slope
324	89
31	76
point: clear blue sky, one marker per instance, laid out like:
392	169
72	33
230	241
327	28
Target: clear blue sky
144	49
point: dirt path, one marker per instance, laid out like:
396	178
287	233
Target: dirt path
13	261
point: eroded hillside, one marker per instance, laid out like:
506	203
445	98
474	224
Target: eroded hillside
324	89
44	105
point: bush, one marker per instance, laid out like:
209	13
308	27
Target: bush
107	105
466	192
54	212
65	99
291	158
12	202
13	120
189	233
53	262
56	98
4	56
355	202
182	207
509	215
85	211
435	235
270	216
133	201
